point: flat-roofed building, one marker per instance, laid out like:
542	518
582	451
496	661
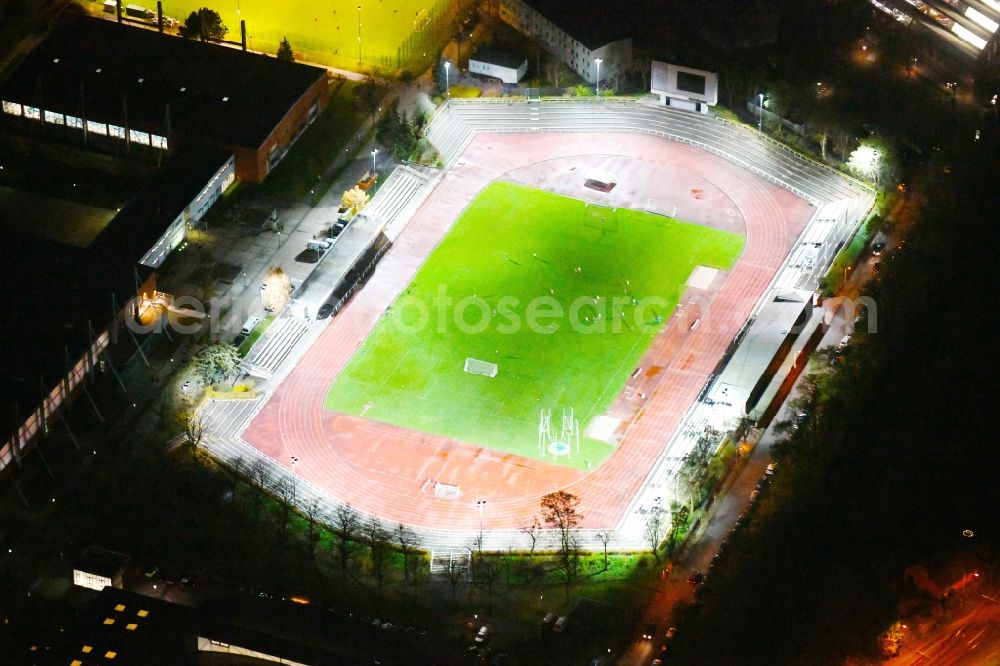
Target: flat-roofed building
497	64
576	36
130	90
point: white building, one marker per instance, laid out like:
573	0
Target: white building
683	87
501	65
576	37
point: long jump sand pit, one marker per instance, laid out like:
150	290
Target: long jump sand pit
397	473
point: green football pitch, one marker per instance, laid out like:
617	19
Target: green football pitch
514	259
327	30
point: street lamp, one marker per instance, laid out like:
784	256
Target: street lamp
597	89
294	460
359	33
447	82
481	504
374	153
760	112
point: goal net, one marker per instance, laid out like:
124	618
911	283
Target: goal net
476	367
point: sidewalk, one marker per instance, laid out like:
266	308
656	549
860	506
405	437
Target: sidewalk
699	550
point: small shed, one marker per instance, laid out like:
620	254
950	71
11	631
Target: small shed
498	64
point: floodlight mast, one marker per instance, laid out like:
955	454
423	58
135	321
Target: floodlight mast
597	89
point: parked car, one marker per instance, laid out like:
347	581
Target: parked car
483	634
560	625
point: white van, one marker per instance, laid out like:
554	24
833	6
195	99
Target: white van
249	325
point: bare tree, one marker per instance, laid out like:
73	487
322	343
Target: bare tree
604	537
419	576
193	431
378	546
408	543
455	572
313	513
260	480
654	529
346	530
236	469
285	491
489	571
531	528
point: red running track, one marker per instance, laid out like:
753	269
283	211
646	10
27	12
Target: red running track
390	471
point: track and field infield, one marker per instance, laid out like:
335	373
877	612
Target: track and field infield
563	296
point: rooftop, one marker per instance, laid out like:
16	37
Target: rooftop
60	291
590	22
99	69
497	57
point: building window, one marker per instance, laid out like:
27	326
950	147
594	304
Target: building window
116	131
13	108
96	128
54	118
32	112
139	137
159	141
73	121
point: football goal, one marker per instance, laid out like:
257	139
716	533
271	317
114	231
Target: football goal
476	367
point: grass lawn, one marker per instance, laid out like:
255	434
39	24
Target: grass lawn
515	255
317	27
255	334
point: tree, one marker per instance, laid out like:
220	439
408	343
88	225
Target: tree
604	537
368	94
277	289
205	24
285	51
531	529
313	513
654	530
346	529
355	198
440	76
215	361
408	543
193	430
378	547
455	572
260	478
559	512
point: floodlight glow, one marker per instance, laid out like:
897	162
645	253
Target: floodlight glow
982	20
968	36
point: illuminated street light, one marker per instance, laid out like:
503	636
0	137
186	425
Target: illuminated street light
760	112
447	82
597	90
359	33
374	153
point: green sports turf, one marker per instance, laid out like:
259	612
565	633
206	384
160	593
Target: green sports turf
322	26
517	242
